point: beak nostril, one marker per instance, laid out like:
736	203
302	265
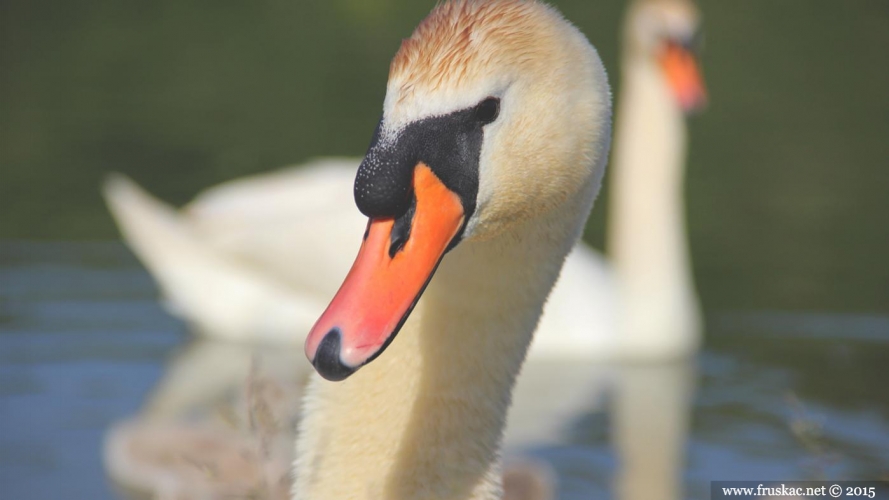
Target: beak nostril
327	357
401	229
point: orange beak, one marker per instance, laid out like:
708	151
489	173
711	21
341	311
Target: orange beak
684	76
386	280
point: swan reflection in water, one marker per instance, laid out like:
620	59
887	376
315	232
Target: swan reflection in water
220	423
647	406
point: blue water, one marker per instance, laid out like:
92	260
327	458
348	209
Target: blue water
774	395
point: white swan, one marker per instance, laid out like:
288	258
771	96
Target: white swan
493	142
661	315
232	216
646	293
255	242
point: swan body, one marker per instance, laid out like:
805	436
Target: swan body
248	241
212	259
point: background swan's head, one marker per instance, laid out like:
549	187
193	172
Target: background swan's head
667	35
495	112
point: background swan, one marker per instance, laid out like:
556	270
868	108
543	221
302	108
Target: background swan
641	304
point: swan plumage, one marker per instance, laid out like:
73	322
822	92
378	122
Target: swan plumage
257	245
421	415
228	221
212	259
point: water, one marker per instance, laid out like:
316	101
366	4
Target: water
84	344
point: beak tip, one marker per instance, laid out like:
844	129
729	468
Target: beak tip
327	358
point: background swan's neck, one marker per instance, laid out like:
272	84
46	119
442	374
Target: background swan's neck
425	419
646	229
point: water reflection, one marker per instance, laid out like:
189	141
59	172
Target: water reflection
651	421
218	403
84	346
649	408
219	423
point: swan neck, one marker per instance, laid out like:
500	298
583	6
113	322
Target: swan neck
425	419
646	214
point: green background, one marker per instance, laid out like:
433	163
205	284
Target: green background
788	185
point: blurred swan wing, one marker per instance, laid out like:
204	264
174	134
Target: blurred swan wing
220	294
299	223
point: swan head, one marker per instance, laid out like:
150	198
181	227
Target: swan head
667	33
495	112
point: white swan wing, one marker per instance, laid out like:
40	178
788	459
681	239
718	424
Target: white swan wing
216	292
298	223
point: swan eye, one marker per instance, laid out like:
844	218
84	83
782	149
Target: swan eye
487	110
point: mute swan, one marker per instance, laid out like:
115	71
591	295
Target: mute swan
646	295
230	219
491	149
254	243
661	316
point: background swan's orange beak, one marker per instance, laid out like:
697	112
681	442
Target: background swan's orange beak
684	76
390	273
